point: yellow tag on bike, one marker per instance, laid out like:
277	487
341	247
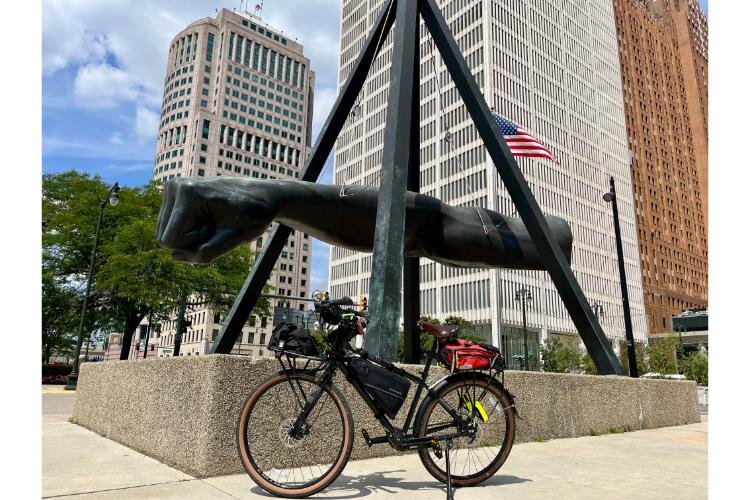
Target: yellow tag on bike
478	406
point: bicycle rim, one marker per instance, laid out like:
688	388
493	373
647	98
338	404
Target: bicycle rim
284	465
476	459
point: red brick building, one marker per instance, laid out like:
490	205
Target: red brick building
664	61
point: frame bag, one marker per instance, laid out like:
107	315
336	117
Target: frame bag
292	339
387	389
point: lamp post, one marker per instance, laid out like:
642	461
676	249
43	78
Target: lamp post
523	295
598	310
113	198
611	197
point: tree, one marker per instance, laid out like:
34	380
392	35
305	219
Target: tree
133	276
59	321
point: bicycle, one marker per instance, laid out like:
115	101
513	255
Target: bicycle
296	432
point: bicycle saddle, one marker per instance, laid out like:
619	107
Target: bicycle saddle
439	331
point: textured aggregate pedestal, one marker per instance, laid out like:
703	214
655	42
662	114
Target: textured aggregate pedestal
184	411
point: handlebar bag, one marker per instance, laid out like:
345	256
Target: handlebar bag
292	339
387	389
464	354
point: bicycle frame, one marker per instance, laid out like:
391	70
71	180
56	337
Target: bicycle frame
399	438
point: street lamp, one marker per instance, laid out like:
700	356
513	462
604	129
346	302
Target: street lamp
113	198
523	295
611	197
598	310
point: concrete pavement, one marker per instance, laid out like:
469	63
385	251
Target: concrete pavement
659	463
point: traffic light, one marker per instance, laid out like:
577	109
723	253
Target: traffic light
362	303
325	296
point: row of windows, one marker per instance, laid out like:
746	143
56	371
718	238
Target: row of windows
184	49
247	141
252	54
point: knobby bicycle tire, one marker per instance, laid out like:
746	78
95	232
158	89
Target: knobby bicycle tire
275	442
498	401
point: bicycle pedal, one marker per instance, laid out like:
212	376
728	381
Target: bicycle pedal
366	435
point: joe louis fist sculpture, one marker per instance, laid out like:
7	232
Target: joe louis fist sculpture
201	219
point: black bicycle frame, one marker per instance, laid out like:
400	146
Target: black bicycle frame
398	438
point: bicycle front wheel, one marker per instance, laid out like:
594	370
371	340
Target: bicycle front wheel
285	465
477	457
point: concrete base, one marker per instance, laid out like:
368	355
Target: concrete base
184	411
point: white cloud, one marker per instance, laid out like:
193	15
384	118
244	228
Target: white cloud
146	124
115	139
102	86
66	40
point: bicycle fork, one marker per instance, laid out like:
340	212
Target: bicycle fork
310	401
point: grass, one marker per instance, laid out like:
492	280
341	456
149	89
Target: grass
541	439
617	430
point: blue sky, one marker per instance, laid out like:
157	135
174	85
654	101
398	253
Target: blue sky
103	65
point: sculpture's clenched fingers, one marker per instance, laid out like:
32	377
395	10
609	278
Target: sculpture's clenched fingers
165	211
223	239
183	230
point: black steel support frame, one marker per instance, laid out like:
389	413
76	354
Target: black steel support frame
269	254
388	246
554	260
386	272
412	347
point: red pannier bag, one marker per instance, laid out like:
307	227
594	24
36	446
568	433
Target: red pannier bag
463	354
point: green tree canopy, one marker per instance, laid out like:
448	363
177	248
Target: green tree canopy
133	276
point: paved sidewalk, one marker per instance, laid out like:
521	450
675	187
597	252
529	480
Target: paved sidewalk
660	463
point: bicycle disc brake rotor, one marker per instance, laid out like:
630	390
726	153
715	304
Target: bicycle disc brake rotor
285	436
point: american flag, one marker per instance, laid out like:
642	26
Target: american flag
520	142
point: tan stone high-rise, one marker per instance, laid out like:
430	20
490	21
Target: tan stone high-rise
238	101
664	62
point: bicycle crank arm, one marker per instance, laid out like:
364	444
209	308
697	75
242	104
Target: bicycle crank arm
371	441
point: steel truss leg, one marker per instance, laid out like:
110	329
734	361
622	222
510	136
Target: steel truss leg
554	260
266	259
388	247
412	346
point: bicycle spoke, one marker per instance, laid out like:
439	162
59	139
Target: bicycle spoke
287	460
486	429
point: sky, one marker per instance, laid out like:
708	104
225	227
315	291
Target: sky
103	67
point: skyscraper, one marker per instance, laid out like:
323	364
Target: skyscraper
553	67
238	101
664	63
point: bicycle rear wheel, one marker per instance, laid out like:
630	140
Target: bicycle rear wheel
288	466
473	459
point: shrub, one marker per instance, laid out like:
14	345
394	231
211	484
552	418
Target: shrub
54	379
558	357
640	357
56	368
661	355
695	367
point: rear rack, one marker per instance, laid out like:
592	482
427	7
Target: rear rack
292	361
